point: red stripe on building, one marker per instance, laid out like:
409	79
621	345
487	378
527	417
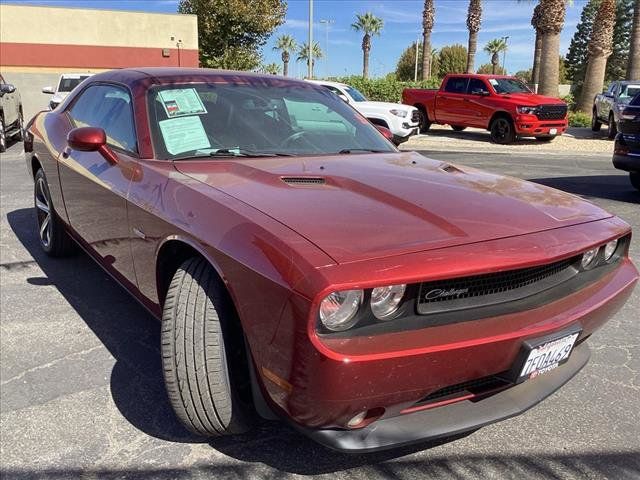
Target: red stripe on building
93	56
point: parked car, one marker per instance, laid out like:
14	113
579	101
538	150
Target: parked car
11	117
67	82
403	121
503	105
626	150
305	268
607	106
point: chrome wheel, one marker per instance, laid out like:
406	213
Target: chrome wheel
43	212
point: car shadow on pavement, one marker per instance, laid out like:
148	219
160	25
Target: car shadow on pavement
132	337
612	187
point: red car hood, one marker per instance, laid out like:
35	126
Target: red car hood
532	99
375	205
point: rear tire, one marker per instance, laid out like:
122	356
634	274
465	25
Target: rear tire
20	135
458	128
200	362
54	239
3	136
613	129
595	123
425	123
502	131
635	179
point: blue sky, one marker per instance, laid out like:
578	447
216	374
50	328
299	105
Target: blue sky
402	27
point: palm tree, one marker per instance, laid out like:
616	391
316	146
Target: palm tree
303	54
286	44
370	25
550	24
535	71
599	48
474	19
495	47
428	16
633	67
272	68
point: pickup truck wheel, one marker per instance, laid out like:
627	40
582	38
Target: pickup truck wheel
595	124
54	239
20	135
425	124
502	131
613	129
458	128
198	358
3	136
635	179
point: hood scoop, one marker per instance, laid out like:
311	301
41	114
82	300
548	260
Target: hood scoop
450	168
303	181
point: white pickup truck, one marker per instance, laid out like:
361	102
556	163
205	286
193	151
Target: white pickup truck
402	120
67	82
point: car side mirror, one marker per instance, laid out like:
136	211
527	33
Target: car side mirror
7	88
608	94
49	90
385	132
91	139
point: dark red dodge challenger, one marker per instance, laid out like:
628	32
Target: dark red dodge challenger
305	269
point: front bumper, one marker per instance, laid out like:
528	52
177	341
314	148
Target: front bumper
531	126
453	419
628	163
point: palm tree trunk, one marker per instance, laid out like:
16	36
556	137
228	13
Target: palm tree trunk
535	71
593	81
285	68
471	54
549	67
426	56
633	68
365	64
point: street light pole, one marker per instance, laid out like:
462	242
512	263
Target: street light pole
504	54
326	22
310	52
415	70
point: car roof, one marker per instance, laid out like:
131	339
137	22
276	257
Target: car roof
326	82
73	75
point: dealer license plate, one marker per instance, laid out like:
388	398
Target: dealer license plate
548	356
553	131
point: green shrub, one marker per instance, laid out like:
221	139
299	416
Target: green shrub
579	119
570	101
385	89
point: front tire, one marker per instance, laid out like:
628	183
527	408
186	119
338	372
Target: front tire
54	239
200	362
635	179
613	129
595	123
503	131
458	128
3	136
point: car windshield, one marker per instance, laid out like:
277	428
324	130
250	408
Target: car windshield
355	94
635	101
256	118
67	84
628	92
508	85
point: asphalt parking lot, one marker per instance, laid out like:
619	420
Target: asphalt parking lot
81	393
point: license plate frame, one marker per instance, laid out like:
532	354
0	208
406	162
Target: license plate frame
537	347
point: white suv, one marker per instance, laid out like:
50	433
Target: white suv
402	120
68	81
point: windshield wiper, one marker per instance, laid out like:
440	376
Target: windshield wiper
349	150
243	152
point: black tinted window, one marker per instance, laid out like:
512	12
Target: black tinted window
477	86
456	85
635	101
107	107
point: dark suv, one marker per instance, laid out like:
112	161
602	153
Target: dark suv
11	118
626	151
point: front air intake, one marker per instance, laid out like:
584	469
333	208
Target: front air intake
303	180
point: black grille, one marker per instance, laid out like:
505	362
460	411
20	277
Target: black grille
493	288
415	116
303	180
477	386
551	112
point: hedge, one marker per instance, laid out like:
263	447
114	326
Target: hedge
384	89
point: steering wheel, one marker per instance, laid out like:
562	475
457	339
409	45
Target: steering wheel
292	137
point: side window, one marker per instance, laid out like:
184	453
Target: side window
107	107
612	88
456	85
477	86
333	89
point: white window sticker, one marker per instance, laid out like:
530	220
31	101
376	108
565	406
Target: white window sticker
183	134
182	101
493	81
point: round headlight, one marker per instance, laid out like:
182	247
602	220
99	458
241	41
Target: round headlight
610	249
589	257
338	309
385	300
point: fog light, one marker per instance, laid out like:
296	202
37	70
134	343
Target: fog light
357	420
589	257
610	249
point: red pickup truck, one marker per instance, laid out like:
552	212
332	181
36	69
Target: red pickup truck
503	105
